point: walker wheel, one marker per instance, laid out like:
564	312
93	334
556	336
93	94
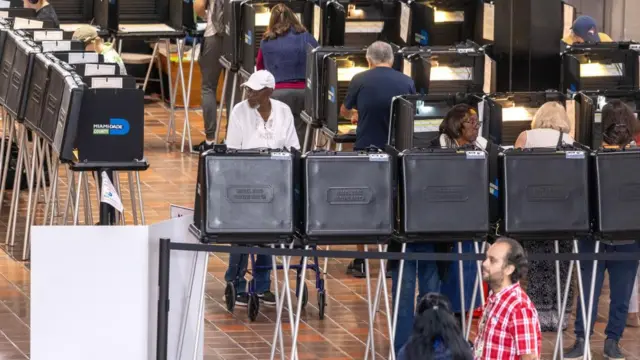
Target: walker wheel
230	296
253	307
305	296
322	302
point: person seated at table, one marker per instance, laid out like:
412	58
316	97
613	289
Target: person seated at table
619	125
436	333
283	52
549	125
93	42
258	122
584	30
44	11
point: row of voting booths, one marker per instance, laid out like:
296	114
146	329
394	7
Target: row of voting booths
64	107
456	53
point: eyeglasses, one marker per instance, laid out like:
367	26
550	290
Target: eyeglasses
474	123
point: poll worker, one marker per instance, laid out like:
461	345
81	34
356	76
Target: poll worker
436	333
619	126
283	52
368	103
44	11
509	328
92	42
549	127
258	122
210	66
585	30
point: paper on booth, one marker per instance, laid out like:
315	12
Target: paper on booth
5	4
109	193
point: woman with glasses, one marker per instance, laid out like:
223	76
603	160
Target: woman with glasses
549	125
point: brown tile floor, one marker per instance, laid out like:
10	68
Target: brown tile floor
171	178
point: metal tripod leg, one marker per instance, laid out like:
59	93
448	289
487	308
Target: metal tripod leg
77	198
563	310
140	200
382	291
185	317
396	304
50	203
201	307
370	309
153	57
462	297
556	246
588	329
277	334
15	196
186	129
4	144
295	329
88	212
222	103
286	291
132	194
171	131
70	200
32	209
180	80
7	159
477	286
307	133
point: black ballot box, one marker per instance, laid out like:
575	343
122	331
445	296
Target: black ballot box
246	195
36	90
24	58
8	56
617	194
545	191
348	195
108	133
58	73
444	192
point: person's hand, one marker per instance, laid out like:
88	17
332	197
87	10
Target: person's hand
354	117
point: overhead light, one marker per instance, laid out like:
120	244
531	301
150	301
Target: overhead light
353	13
441	16
443	73
518	113
601	70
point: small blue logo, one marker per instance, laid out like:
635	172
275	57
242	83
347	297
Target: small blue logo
422	38
114	127
332	94
248	38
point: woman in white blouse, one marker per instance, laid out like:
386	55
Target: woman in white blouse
259	121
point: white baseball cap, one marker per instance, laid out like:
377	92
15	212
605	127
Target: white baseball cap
261	79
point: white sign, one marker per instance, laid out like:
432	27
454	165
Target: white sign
109	193
99	69
106	83
176	211
83	58
22	23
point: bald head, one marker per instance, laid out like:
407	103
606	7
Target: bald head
380	54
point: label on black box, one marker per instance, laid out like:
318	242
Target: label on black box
250	194
378	157
574	154
349	196
279	156
475	155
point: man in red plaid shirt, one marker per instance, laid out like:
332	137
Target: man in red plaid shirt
509	328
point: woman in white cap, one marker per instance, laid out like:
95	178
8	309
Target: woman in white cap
258	122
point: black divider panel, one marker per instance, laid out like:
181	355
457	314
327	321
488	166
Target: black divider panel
52	100
68	117
36	91
74	10
143	11
6	66
20	78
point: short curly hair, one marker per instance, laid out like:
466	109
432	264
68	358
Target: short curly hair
516	257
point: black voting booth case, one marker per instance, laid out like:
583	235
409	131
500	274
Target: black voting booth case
545	192
348	197
247	196
588	124
177	14
617	193
509	114
442	22
415	119
599	67
360	22
444	193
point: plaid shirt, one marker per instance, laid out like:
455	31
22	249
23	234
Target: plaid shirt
509	327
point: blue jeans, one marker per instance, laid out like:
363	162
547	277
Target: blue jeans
238	267
428	281
621	279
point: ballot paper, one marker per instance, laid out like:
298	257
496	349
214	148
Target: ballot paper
106	83
488	22
405	14
109	194
5	4
99	69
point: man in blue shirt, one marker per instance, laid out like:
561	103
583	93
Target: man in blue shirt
368	103
368	99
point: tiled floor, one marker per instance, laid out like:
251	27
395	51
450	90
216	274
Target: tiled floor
171	179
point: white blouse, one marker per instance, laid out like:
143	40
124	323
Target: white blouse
248	130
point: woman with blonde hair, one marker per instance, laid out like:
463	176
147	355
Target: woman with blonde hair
283	52
549	123
550	126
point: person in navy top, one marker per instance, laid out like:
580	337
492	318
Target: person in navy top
368	103
368	99
283	52
436	334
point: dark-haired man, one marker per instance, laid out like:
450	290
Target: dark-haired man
44	11
509	328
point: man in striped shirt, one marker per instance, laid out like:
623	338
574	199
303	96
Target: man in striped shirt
509	328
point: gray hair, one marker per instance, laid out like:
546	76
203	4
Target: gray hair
552	115
380	53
